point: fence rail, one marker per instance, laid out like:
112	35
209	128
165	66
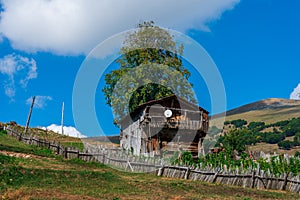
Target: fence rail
116	158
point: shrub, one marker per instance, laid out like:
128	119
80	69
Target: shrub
239	123
257	126
273	138
286	145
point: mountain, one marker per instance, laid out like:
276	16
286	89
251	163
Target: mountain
268	110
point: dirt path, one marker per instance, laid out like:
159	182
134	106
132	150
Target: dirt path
18	155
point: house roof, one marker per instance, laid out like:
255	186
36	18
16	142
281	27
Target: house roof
158	101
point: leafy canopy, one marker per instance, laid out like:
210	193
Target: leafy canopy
150	48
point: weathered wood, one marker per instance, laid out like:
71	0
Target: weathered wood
253	179
215	176
28	118
66	152
187	173
285	181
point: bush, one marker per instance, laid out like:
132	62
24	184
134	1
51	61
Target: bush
256	126
187	158
273	138
239	123
290	132
286	145
227	122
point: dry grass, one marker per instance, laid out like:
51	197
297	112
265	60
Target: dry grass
271	148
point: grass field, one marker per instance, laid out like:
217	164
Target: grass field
28	172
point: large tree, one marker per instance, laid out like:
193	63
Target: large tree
149	47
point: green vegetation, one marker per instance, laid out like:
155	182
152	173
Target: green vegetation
241	135
9	143
239	123
32	176
277	165
77	145
146	50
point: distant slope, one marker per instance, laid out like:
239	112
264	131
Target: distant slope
269	111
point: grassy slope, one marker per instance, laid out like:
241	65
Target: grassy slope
264	110
268	115
40	175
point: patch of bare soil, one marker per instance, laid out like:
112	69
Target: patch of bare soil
39	194
19	155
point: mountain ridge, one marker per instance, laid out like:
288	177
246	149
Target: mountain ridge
269	110
270	103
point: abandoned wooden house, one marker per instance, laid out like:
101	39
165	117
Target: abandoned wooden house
165	125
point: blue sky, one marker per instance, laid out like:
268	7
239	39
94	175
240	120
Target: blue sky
254	43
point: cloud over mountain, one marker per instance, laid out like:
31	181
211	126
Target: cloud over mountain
68	130
76	26
296	93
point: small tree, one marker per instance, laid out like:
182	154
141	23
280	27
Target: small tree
232	140
286	145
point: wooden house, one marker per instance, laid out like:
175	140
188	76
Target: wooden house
168	124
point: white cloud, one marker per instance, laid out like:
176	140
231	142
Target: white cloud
40	101
68	130
296	93
19	71
76	26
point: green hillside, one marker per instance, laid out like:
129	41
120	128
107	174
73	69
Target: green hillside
269	111
29	172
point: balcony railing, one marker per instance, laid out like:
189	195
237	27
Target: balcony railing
158	122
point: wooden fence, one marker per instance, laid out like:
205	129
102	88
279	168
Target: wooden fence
116	158
251	178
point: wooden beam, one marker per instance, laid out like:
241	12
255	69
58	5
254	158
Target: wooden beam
28	118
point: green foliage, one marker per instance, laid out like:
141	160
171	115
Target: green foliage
227	122
289	127
235	139
78	145
251	134
273	137
280	123
256	126
7	160
146	50
276	165
187	158
286	145
239	123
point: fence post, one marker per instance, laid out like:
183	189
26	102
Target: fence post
215	176
253	179
58	149
78	154
285	181
161	171
66	152
187	173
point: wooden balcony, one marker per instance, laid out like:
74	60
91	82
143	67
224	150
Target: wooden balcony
158	122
